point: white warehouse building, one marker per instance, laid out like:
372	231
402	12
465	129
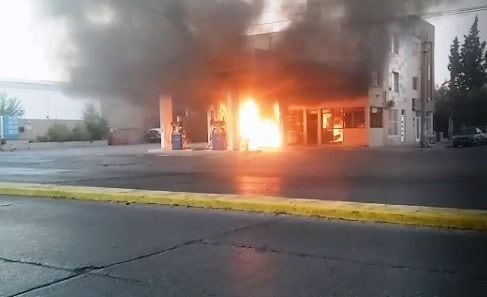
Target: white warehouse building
45	104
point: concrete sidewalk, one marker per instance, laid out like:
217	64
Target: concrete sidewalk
87	249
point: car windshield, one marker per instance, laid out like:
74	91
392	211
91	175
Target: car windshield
466	131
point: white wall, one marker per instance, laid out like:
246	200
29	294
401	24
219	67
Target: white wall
407	63
45	100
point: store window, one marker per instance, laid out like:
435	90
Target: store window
376	117
354	117
332	125
393	123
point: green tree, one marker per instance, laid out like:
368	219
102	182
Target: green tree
455	66
10	106
80	133
485	62
465	97
472	60
442	100
96	125
58	133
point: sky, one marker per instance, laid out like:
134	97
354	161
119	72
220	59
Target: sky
447	27
27	44
24	50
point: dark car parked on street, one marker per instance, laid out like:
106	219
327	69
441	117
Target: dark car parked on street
469	136
154	134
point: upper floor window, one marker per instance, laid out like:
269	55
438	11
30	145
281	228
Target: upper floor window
395	77
415	83
395	43
376	79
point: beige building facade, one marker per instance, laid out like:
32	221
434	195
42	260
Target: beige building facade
391	112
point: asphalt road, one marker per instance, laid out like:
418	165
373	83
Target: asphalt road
85	249
441	176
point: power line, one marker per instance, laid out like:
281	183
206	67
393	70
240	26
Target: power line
426	15
453	11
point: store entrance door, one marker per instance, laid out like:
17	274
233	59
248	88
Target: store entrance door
312	127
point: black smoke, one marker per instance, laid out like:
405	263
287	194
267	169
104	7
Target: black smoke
194	48
332	47
138	49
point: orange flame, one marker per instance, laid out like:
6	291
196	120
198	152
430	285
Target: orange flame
257	131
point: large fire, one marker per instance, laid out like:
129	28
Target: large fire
259	130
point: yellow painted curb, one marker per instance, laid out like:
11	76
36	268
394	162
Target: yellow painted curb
370	212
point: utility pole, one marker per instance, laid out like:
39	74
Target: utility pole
426	91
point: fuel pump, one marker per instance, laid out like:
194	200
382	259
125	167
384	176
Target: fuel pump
218	136
178	137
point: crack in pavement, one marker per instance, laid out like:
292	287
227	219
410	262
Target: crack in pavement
75	272
43	265
265	249
57	281
189	242
115	277
96	270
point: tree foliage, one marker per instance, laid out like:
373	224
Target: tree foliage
93	128
472	60
96	126
455	66
80	133
58	133
464	97
10	106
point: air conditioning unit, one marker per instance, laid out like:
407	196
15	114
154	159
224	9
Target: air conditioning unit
390	103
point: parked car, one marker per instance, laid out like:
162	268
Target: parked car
469	136
154	134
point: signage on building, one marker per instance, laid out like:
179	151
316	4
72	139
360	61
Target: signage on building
9	128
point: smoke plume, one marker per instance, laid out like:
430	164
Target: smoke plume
332	47
139	49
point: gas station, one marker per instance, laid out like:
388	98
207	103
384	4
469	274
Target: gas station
233	124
